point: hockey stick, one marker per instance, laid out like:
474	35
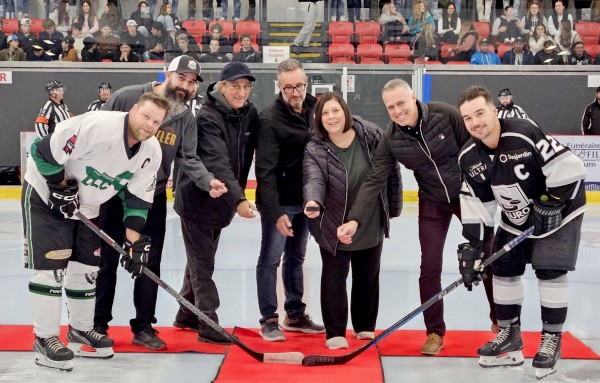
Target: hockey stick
321	360
279	357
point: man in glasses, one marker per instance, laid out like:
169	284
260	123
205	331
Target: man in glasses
283	135
227	127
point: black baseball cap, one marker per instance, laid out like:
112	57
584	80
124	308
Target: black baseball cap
235	70
185	64
504	92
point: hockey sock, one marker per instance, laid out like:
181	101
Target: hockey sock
554	299
45	289
80	288
508	298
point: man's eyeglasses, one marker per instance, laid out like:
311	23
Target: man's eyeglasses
288	89
237	88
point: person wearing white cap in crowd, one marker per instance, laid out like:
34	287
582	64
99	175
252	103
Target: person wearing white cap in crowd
13	52
177	138
26	38
134	38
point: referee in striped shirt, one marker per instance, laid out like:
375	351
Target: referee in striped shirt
506	108
53	111
104	93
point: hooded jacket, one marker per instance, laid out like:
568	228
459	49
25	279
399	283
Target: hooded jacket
226	143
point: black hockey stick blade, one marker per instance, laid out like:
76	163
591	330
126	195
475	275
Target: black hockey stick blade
277	357
322	360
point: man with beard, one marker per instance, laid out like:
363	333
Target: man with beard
104	93
506	107
280	146
177	137
518	55
579	56
590	122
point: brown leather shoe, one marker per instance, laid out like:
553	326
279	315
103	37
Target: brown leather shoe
433	344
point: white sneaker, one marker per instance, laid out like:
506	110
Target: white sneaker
364	335
343	18
333	18
336	343
236	19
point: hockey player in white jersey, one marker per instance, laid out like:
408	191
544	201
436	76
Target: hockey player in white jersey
87	160
536	181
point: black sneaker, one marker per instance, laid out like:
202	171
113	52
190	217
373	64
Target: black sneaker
210	335
295	49
184	323
149	339
303	324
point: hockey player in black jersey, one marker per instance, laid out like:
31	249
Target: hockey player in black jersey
536	181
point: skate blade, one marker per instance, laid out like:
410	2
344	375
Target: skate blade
63	365
541	373
509	359
85	351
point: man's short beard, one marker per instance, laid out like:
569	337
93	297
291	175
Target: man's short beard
172	95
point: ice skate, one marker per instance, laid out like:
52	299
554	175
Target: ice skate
505	350
547	355
90	344
51	352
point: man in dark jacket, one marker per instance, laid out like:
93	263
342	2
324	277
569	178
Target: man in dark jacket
247	54
283	134
426	138
518	55
177	138
590	122
227	127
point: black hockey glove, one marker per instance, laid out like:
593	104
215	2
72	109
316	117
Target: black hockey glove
64	200
138	256
547	214
469	259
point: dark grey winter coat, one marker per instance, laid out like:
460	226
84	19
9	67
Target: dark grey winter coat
325	182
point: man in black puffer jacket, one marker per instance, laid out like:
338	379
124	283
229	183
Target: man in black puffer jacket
426	138
227	128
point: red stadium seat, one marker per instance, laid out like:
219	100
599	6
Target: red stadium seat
340	32
237	46
483	29
10	26
369	53
227	27
368	32
36	26
194	27
589	31
341	53
592	49
502	48
446	50
251	28
397	53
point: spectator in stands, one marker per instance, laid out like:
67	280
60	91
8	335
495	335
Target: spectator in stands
518	55
135	39
467	43
252	9
8	7
507	27
590	122
507	108
208	12
214	55
62	17
237	5
3	38
13	52
50	38
26	38
484	10
184	48
107	43
532	19
337	10
88	19
69	53
595	7
579	55
449	24
548	55
169	19
78	36
113	18
483	56
90	52
354	7
22	8
394	25
247	54
566	36
557	16
420	16
536	41
426	45
38	54
302	40
143	18
159	43
216	33
126	54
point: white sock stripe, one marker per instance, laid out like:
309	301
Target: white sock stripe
508	291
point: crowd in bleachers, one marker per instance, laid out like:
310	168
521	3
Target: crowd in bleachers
428	32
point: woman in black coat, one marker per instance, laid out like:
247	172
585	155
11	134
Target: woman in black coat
336	160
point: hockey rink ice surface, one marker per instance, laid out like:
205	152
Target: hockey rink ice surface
235	278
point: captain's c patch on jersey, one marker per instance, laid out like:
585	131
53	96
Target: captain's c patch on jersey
70	144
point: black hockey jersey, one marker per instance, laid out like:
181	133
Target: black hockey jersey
526	164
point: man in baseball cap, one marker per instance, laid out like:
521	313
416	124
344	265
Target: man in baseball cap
185	64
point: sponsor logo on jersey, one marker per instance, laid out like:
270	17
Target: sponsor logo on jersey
477	169
517	155
59	254
70	144
513	201
102	180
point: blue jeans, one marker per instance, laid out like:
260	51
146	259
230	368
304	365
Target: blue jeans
237	4
8	6
22	6
273	245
